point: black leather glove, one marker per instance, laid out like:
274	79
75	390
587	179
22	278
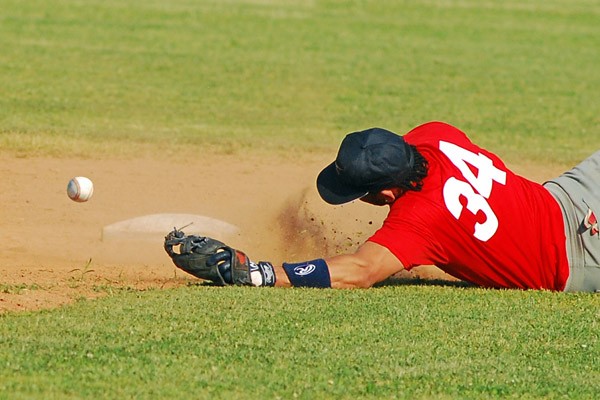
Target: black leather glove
212	260
236	268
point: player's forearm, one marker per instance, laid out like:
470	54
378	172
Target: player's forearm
347	272
343	274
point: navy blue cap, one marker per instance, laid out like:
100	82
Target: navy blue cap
367	161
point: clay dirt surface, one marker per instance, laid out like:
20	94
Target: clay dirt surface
54	253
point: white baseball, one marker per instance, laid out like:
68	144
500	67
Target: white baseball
80	189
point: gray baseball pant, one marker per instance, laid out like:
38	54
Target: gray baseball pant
578	193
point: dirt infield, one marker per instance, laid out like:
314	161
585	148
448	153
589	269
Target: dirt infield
53	251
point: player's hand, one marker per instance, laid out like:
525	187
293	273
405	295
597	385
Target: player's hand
237	269
190	253
212	260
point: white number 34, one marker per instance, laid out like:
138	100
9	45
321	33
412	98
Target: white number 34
476	190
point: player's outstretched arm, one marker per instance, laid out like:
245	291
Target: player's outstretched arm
209	259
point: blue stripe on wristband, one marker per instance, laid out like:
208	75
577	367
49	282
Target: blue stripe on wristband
314	273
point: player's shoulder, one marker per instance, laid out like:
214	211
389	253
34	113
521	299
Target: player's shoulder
436	128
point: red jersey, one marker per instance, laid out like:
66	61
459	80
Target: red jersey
475	219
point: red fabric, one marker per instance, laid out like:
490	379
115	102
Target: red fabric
525	249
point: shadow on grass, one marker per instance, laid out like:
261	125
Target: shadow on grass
394	281
424	282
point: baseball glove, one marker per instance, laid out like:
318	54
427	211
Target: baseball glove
212	260
194	253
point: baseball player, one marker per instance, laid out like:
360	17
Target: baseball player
451	204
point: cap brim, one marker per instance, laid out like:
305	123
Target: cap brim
333	191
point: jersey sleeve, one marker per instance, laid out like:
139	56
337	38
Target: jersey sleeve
410	240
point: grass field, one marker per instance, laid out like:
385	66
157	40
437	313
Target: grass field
520	76
95	78
391	342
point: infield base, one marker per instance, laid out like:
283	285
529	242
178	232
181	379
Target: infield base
156	226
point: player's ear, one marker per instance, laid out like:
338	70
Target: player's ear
380	198
390	195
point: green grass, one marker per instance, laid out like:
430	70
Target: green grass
17	288
390	342
520	76
104	77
